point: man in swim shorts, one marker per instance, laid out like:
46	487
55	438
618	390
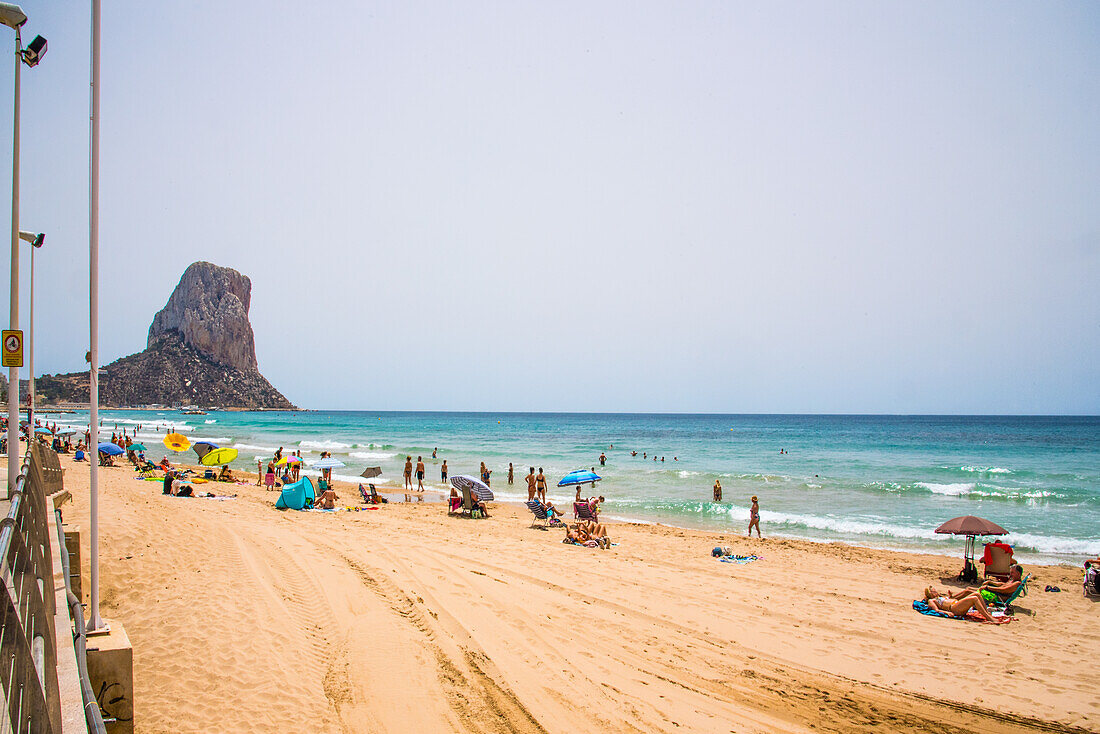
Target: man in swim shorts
420	473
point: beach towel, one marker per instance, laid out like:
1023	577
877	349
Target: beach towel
739	559
971	616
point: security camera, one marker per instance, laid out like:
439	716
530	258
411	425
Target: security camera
35	239
34	51
12	15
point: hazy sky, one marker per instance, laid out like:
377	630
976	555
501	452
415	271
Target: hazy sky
622	206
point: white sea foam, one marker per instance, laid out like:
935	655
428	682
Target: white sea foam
1054	544
325	445
251	447
985	469
211	420
952	490
375	455
685	474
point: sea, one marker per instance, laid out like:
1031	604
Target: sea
878	481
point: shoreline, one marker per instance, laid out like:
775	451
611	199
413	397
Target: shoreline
403	618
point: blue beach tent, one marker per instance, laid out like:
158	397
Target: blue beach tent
294	495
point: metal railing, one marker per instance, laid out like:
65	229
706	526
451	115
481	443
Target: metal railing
28	651
28	644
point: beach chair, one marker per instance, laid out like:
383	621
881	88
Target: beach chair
583	511
1091	582
999	561
209	474
1021	590
539	512
148	470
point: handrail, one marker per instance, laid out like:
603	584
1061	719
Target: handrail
28	644
92	715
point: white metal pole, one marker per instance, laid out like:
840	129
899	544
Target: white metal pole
30	352
93	293
13	372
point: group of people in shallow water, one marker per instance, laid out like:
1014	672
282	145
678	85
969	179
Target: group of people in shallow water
975	598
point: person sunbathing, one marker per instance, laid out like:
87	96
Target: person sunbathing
993	591
552	513
956	607
327	500
226	474
585	531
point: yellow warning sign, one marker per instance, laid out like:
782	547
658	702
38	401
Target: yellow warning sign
13	347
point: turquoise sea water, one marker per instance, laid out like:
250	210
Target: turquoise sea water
885	481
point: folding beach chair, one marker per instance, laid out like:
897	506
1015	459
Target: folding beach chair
539	512
999	562
1021	590
583	511
1091	582
148	470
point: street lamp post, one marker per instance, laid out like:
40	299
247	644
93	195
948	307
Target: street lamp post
36	240
13	17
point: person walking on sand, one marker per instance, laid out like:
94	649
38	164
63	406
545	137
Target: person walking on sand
540	485
717	490
510	473
531	485
408	473
485	474
259	473
420	474
754	517
443	471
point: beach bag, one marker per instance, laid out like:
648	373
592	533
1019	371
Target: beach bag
969	574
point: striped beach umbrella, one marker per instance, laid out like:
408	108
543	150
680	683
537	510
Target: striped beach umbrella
477	487
327	463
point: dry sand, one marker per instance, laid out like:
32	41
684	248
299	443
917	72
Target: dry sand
402	619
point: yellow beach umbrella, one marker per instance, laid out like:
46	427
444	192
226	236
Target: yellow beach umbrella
218	456
177	442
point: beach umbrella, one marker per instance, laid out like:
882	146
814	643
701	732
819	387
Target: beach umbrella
477	487
371	472
215	457
970	526
137	447
328	463
110	449
177	442
42	430
289	459
202	448
580	476
66	432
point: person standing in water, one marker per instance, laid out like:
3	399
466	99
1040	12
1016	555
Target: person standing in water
485	472
540	485
754	517
408	472
420	475
510	472
717	490
443	471
531	485
603	459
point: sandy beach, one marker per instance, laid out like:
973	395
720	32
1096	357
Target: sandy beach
398	619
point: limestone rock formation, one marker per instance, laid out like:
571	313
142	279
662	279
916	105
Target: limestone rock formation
209	309
200	351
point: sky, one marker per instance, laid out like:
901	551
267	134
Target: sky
775	207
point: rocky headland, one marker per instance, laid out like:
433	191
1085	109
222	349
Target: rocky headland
200	351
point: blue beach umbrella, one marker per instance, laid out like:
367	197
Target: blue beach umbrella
477	487
42	430
110	449
580	476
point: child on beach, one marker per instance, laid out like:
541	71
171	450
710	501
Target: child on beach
485	474
754	517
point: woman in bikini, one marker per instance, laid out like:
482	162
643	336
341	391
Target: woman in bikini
754	517
956	607
485	474
540	485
